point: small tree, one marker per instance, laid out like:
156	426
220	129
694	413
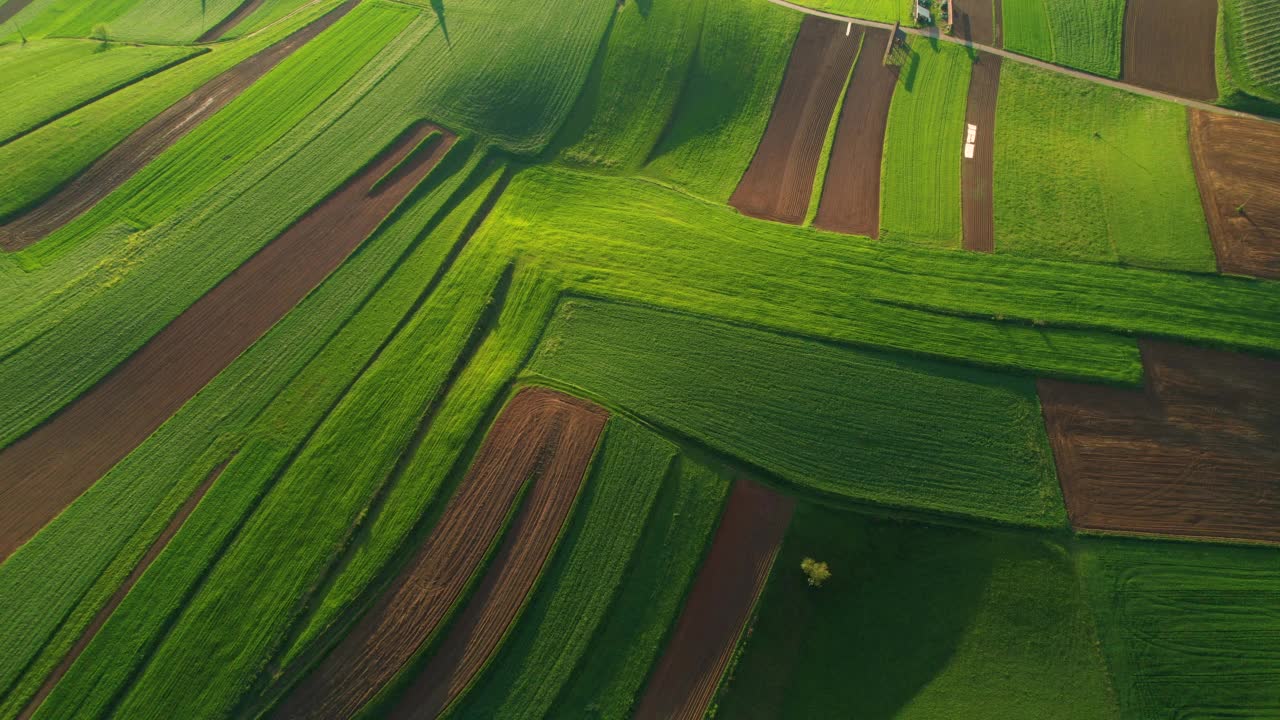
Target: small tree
816	572
101	34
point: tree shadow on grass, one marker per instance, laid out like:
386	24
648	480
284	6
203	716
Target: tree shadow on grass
437	6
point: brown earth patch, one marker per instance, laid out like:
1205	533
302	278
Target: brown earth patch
100	618
779	181
978	21
11	8
147	142
1237	163
51	466
851	192
1169	46
245	9
976	173
543	439
1196	454
719	605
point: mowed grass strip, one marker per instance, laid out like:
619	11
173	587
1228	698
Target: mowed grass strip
878	428
156	21
919	621
615	665
1189	629
1083	34
549	640
924	146
48	78
1121	189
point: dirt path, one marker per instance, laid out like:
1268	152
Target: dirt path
245	9
100	618
51	466
977	172
933	32
147	142
779	181
1237	163
541	436
1169	46
850	200
1196	454
979	21
719	605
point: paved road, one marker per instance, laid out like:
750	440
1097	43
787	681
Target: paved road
933	32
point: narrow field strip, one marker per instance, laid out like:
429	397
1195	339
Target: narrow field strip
1238	170
978	21
719	604
850	200
542	438
779	181
101	617
976	175
48	468
147	142
1169	46
244	10
1195	455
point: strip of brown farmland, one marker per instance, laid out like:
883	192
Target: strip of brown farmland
976	173
851	194
1196	454
11	8
116	598
48	468
147	142
1238	168
978	21
779	181
244	10
542	437
719	605
1169	46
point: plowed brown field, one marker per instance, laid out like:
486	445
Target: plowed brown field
978	21
1238	168
47	469
1197	453
542	437
245	9
779	181
116	598
147	142
1169	46
719	605
851	193
976	173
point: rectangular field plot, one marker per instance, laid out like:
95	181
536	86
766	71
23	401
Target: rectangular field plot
1083	34
1087	172
853	424
1189	631
1169	46
920	622
1251	38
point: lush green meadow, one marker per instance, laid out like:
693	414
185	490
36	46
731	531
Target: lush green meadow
1249	55
1086	172
924	145
166	21
920	621
880	10
1083	34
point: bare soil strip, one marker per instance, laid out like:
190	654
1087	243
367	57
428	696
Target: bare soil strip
1237	163
976	173
851	194
99	619
978	21
1196	454
147	142
719	605
779	181
11	8
542	437
1169	46
245	10
51	466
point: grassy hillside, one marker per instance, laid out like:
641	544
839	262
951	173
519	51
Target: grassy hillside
1126	192
919	622
1083	34
171	21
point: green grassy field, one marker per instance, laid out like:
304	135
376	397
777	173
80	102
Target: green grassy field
1083	34
920	621
46	79
923	147
1249	55
1125	191
881	10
